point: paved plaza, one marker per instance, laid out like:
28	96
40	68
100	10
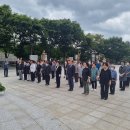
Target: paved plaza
33	106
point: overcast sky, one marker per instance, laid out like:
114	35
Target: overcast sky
107	17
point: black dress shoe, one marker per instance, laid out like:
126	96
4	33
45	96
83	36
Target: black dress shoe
70	90
122	89
110	93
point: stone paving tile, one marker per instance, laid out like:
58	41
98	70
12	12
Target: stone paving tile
5	116
112	119
11	125
51	124
125	124
89	119
25	122
33	127
120	128
97	114
103	125
75	114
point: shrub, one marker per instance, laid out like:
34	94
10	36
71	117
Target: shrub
2	88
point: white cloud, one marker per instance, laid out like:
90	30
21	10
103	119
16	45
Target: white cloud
120	23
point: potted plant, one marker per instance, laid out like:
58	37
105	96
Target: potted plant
2	88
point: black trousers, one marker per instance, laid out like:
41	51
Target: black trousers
122	85
5	72
32	76
76	77
94	84
112	87
43	76
71	83
58	81
47	79
39	77
25	76
17	73
53	74
128	81
81	82
104	91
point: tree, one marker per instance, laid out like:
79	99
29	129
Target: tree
6	31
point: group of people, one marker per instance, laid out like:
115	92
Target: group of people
85	73
91	74
41	70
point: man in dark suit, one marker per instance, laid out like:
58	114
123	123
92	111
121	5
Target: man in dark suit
47	73
38	71
43	70
71	73
58	74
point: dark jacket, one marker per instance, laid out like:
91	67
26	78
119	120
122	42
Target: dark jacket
43	68
105	76
71	71
47	70
123	69
85	74
38	69
20	66
58	71
6	65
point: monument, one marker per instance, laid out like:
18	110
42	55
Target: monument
44	56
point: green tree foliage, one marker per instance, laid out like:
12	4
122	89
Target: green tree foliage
6	32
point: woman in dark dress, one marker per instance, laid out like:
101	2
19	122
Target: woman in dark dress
58	74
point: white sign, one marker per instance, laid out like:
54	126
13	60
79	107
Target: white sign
34	57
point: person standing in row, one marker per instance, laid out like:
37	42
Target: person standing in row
122	76
43	70
128	74
105	81
71	74
53	69
33	70
86	78
58	74
94	75
6	67
47	73
25	70
20	70
80	74
17	67
113	80
28	70
76	71
38	71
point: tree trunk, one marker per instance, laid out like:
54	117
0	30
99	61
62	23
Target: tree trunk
6	55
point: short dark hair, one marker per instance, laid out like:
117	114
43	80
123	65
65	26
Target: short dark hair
87	64
106	64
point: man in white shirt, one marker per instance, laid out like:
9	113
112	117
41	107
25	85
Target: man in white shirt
33	70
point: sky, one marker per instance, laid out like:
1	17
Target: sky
106	17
